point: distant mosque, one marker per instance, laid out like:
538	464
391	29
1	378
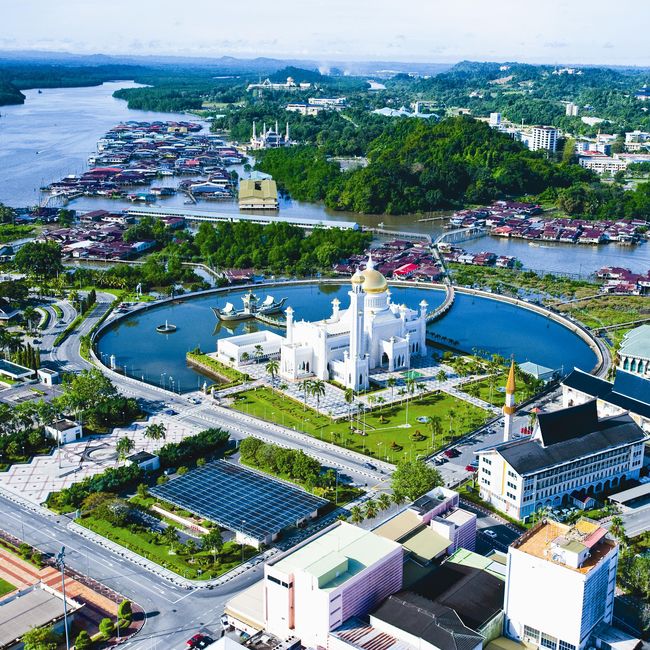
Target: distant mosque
372	333
270	138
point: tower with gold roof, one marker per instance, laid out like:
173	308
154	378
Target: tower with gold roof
509	406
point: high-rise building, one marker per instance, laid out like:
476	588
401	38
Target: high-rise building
572	110
560	584
543	138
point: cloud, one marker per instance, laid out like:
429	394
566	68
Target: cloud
555	44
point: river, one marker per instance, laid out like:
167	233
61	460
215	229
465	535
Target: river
475	322
54	131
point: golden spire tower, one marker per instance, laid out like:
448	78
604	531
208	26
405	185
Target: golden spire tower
509	406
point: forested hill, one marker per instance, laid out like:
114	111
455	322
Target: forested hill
417	166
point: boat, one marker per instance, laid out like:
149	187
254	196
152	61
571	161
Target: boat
252	308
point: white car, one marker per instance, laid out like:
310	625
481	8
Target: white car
490	533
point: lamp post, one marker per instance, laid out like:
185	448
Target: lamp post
243	521
60	561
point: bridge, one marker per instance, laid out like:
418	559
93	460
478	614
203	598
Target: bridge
460	235
400	234
618	326
447	304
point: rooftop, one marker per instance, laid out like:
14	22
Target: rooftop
359	634
584	535
435	623
63	424
636	343
335	556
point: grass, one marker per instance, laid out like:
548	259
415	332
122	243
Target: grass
219	370
609	310
6	587
468	492
496	396
45	318
198	566
505	280
9	232
58	311
387	436
73	325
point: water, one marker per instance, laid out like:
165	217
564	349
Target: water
476	322
53	133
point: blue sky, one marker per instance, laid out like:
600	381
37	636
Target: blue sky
552	31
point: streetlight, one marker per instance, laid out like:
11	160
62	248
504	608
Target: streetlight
243	521
162	379
60	561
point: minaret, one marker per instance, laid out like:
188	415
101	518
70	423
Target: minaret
336	304
276	128
289	314
254	132
357	309
286	137
509	407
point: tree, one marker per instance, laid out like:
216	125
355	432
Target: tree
413	478
390	382
305	387
124	447
212	541
40	638
435	426
272	368
259	351
441	375
356	515
318	390
370	509
249	448
106	628
155	431
383	501
125	610
617	529
30	314
39	259
83	641
348	396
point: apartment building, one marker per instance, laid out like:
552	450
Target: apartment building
543	138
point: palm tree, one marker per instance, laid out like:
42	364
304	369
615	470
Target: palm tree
245	357
383	501
317	389
124	447
390	382
155	432
272	368
170	535
380	401
305	387
348	396
435	425
29	313
371	509
421	386
356	515
441	376
397	498
452	415
617	529
410	389
259	351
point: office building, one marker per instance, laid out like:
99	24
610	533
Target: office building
571	454
560	584
339	573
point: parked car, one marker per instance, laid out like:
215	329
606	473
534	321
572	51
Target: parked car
449	453
490	533
194	641
370	466
470	468
205	642
169	471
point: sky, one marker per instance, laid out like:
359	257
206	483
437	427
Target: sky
549	31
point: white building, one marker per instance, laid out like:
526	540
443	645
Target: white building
543	138
269	138
602	164
560	584
339	573
571	110
634	353
373	332
64	431
304	109
495	119
571	455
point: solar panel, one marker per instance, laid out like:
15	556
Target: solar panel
239	499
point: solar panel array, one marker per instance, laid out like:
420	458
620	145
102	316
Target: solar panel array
229	494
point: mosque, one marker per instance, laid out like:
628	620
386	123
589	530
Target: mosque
371	333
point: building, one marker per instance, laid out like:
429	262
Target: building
64	431
432	526
258	195
601	163
145	461
14	371
35	606
634	351
572	454
495	119
269	138
571	110
627	393
289	84
337	574
304	109
560	584
373	332
47	376
543	138
336	103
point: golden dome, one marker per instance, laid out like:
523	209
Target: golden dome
357	278
374	281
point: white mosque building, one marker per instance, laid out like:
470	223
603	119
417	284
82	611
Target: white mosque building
372	333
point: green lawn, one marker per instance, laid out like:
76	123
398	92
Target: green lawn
5	587
145	543
387	428
496	395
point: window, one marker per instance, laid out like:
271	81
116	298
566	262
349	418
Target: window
510	495
511	474
487	471
512	485
531	634
566	646
549	641
487	461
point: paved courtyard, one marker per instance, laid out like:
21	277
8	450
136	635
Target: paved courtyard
75	461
